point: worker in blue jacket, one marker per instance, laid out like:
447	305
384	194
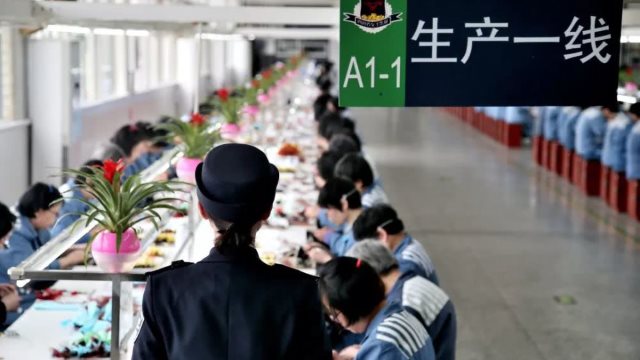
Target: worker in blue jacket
382	222
567	128
519	115
233	306
551	123
9	297
417	294
590	131
633	144
614	150
71	207
354	297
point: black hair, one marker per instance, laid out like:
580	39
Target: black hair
367	224
7	220
352	287
320	106
343	144
324	84
635	109
335	101
328	124
355	168
232	237
87	168
334	190
613	107
38	197
327	164
128	136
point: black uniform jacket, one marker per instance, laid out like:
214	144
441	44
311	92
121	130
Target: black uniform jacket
231	306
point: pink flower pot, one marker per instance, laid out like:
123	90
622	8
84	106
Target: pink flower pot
230	129
251	110
263	98
108	258
186	169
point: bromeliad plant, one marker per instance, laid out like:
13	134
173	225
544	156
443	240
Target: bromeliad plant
229	105
196	136
120	205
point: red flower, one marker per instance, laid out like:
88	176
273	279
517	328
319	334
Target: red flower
255	84
110	168
266	74
197	119
223	94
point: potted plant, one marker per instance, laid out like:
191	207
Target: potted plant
265	84
117	208
196	138
251	107
229	106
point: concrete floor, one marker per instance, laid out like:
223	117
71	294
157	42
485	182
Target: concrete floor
506	238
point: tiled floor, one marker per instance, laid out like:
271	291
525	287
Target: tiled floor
506	238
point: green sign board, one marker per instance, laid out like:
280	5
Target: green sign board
479	52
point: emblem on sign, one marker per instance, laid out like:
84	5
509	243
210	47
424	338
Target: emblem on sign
372	16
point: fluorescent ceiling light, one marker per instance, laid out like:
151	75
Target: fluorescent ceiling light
627	99
105	31
68	29
133	32
223	37
624	39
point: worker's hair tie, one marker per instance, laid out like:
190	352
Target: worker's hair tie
358	263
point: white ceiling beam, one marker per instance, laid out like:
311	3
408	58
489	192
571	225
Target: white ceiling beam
280	15
631	18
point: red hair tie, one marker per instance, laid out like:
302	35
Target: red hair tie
358	263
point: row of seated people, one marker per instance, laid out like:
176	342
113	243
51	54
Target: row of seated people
45	211
379	287
598	148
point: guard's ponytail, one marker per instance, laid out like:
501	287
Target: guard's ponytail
233	236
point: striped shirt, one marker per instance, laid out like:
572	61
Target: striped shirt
412	256
396	334
433	308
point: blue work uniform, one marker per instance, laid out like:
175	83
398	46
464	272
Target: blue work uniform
590	130
616	142
567	127
633	153
538	124
412	256
340	244
550	130
374	195
233	306
396	334
433	308
520	115
23	242
69	211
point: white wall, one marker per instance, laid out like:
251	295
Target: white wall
94	125
14	157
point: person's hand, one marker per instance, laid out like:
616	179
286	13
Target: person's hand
311	212
321	234
11	300
74	257
350	352
6	289
319	255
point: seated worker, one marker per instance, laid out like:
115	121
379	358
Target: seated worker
9	298
357	169
633	144
36	216
615	146
551	123
567	129
129	143
590	131
72	207
415	293
331	124
344	143
325	167
519	115
354	297
342	202
382	222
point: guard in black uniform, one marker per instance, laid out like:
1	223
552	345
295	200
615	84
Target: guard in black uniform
231	305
